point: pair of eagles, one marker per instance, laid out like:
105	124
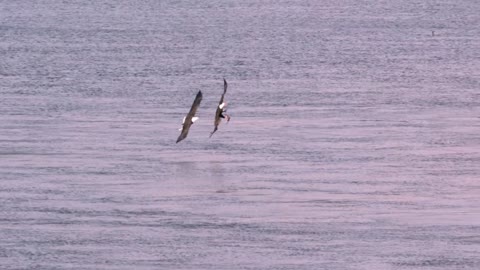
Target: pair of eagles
190	118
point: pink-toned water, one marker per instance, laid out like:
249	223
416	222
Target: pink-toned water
354	141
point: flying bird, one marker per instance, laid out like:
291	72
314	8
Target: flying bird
221	110
190	118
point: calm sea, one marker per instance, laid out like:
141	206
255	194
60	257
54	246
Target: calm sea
354	141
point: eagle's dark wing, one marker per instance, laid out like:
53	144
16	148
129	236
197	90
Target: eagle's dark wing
219	110
188	119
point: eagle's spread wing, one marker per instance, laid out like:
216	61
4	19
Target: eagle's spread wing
187	123
219	110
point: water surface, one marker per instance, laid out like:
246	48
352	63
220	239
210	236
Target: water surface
354	139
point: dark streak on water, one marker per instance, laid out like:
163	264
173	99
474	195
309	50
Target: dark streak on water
354	141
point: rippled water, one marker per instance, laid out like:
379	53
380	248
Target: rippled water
354	141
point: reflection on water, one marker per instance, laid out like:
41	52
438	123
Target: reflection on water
353	142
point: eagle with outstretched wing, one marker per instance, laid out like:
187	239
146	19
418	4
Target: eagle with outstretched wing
190	118
221	109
